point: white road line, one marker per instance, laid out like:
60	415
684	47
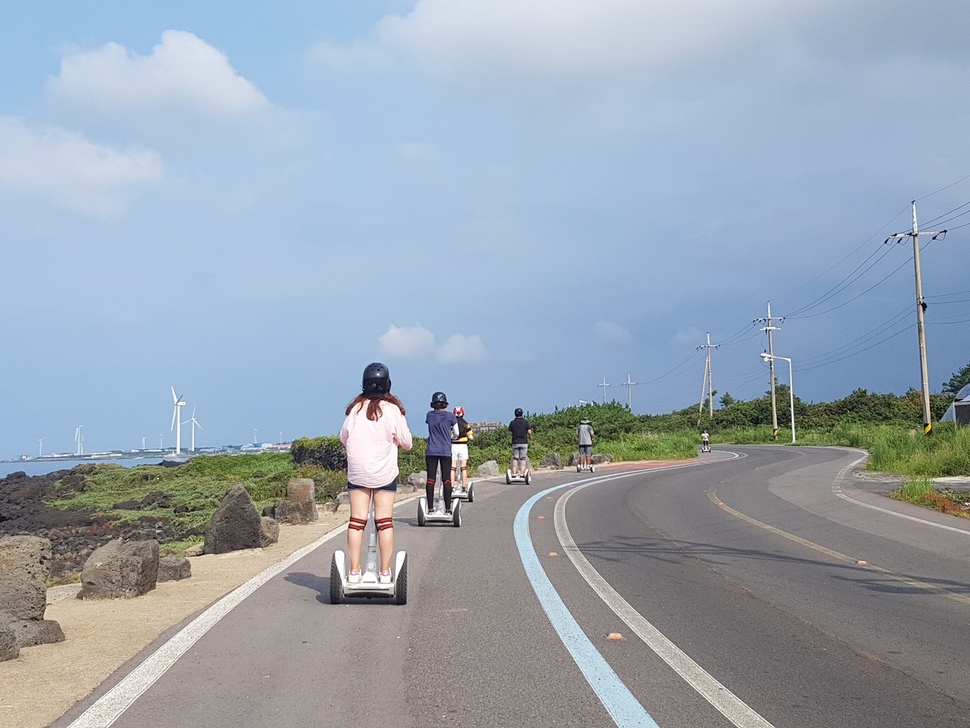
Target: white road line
621	705
726	702
837	489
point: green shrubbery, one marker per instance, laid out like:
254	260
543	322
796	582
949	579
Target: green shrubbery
325	452
945	453
193	491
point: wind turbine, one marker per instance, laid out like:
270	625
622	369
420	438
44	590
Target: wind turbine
40	454
177	420
195	423
79	439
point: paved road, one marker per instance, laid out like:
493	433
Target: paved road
733	582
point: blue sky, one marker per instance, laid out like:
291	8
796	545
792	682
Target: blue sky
508	201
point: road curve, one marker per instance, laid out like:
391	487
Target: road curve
733	584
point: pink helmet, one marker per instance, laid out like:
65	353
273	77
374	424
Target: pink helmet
459	411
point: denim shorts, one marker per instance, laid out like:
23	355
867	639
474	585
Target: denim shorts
392	487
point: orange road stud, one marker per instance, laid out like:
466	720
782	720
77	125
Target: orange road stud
614	636
542	518
553	553
860	562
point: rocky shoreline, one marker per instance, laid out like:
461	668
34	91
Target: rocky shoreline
74	535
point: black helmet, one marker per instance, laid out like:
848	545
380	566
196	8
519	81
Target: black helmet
377	380
518	411
439	398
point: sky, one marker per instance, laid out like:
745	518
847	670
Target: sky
513	202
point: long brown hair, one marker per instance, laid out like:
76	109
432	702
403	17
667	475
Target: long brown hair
373	407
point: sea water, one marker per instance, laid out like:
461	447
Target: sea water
43	467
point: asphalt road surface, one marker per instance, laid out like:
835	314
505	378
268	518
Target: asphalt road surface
758	586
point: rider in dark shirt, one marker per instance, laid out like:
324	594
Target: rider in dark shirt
521	432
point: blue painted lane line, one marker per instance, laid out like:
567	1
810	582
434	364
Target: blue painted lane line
623	707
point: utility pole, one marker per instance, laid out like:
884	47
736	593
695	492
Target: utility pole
629	391
768	328
708	384
920	309
604	385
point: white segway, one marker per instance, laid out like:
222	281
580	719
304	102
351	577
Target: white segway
580	468
437	513
526	478
369	585
459	489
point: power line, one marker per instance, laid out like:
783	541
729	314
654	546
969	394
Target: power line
952	184
676	369
849	356
858	346
872	237
875	285
841	285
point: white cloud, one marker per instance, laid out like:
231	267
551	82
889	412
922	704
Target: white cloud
607	332
460	349
73	172
182	71
408	342
573	42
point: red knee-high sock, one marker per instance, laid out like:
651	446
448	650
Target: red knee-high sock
447	495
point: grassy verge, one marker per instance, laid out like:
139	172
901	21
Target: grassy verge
906	451
921	491
181	498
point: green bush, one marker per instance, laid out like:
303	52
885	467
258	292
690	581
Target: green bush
914	490
326	452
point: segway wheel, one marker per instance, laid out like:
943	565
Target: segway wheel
592	468
508	477
578	468
471	492
456	512
401	583
422	511
528	477
335	585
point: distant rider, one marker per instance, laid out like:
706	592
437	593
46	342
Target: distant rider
462	435
705	441
585	435
521	432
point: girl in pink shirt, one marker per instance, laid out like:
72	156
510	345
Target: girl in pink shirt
372	433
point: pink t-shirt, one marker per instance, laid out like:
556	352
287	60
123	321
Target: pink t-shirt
372	446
